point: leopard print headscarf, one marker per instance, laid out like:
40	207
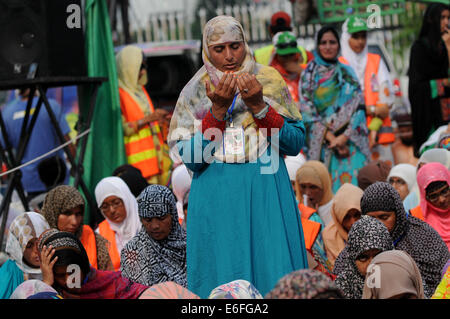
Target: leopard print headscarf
63	198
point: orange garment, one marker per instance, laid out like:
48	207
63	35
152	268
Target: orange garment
385	135
105	230
89	244
310	228
417	212
140	148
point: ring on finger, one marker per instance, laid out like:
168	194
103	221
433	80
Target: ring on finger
245	90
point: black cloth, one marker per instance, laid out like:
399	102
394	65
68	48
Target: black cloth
425	65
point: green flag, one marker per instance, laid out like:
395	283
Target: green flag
105	148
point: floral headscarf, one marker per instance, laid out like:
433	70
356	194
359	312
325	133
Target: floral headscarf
237	289
63	198
302	284
193	103
24	227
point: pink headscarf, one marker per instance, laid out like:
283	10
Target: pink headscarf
438	218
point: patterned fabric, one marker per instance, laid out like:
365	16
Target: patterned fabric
302	284
443	289
237	289
24	227
331	99
168	290
193	104
68	248
410	234
62	198
31	287
148	261
365	234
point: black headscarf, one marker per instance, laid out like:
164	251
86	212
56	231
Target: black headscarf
431	27
410	234
322	31
428	61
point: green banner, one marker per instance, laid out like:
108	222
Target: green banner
105	148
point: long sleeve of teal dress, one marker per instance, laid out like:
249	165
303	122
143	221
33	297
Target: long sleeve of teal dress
242	223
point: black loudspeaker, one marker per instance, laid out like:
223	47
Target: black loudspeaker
43	33
167	75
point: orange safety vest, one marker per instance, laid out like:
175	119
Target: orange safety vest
139	147
89	244
417	212
386	134
105	230
310	228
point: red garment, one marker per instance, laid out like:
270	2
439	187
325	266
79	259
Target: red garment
104	284
271	120
209	121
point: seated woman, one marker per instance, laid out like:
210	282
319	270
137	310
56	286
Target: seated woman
346	210
65	267
366	239
414	236
433	180
64	209
23	263
397	277
120	209
375	171
313	189
402	177
437	155
237	289
314	183
158	252
305	284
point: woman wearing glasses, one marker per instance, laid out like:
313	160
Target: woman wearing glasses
332	106
120	209
433	180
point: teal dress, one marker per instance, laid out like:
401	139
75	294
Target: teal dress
243	224
10	278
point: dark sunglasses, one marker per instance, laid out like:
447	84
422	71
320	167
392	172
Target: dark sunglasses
292	44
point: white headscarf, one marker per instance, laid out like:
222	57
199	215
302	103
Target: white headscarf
407	172
293	163
130	226
357	61
24	227
181	184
